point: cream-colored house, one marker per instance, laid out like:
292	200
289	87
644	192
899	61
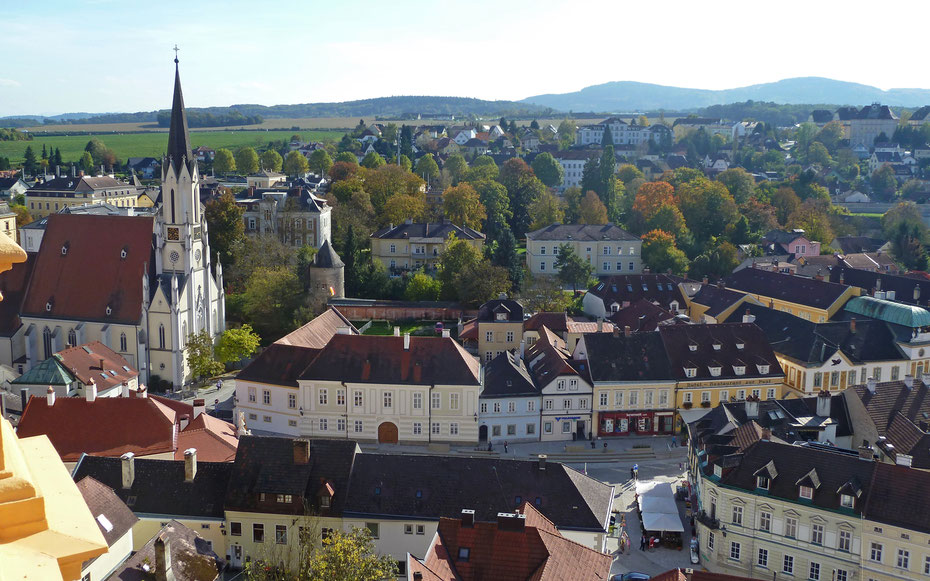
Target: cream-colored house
497	328
50	196
565	412
807	298
265	179
414	245
607	248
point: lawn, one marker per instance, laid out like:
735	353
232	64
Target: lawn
412	327
152	144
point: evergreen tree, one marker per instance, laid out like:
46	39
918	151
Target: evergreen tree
58	156
44	152
573	269
591	176
607	138
608	185
29	163
534	125
350	257
512	128
505	255
406	141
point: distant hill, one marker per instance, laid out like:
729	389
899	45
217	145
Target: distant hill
386	107
630	96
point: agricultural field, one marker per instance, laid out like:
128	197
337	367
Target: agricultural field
153	143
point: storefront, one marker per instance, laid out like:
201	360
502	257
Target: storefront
636	423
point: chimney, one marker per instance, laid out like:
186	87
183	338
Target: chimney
903	460
749	317
616	331
752	408
468	517
125	389
819	275
163	570
908	381
101	363
502	296
141	392
866	452
49	396
406	341
199	407
766	434
190	464
128	469
397	331
870	385
446	333
852	325
343	330
542	461
878	284
90	391
600	324
301	451
705	280
511	521
823	404
184	421
842	277
626	331
916	292
720	284
24	397
522	349
417	576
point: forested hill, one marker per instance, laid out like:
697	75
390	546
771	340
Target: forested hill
384	107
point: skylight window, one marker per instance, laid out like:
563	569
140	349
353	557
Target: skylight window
104	522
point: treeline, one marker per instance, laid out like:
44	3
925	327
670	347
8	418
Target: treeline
197	118
14	135
771	113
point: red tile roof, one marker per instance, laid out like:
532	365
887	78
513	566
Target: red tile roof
79	272
84	362
112	426
538	552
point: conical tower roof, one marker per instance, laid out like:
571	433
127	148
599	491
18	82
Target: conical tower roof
326	257
179	140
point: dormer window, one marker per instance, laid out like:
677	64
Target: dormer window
763	368
716	346
718	470
501	316
690	372
49	304
739	369
464	553
324	501
123	253
692	347
109	310
847	501
762	482
806	492
714	371
740	345
64	248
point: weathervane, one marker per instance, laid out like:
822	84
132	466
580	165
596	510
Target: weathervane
176	49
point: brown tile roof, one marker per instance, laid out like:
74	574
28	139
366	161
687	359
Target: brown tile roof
380	359
214	439
84	362
538	552
548	358
102	501
900	414
900	497
112	426
317	333
641	315
725	345
192	559
79	272
279	364
590	327
557	322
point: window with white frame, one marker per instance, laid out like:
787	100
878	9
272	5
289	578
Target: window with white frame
340	397
688	397
434	428
566	427
418	402
530	405
497	407
509	336
904	559
603	399
573	385
765	521
566	404
266	397
926	565
737	518
875	552
791	527
323	424
734	550
763	558
663	398
357	397
647	397
847	500
341	425
417	428
252	395
787	566
841	575
618	399
511	407
453	429
817	534
292	400
547	404
560	385
705	397
814	573
454	401
359	426
324	396
435	401
388	399
806	492
489	336
634	399
710	541
844	542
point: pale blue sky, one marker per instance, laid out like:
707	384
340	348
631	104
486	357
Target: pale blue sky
115	55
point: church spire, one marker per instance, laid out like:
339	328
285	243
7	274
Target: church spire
179	141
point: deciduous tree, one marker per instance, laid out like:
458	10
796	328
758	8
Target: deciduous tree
548	170
427	168
403	207
199	350
320	162
226	226
456	167
223	161
480	282
247	160
455	258
661	254
422	287
462	205
237	344
349	557
546	210
372	160
272	160
592	210
272	296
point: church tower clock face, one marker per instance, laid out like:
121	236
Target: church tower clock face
174	233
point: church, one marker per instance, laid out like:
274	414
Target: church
140	284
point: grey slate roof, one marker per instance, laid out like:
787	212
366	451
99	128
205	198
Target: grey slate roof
581	232
640	357
326	257
506	375
427	230
786	287
430	487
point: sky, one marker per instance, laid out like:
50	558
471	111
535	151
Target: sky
115	55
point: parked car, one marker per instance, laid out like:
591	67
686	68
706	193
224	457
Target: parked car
632	576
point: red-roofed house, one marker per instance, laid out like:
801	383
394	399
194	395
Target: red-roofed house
566	393
521	546
112	426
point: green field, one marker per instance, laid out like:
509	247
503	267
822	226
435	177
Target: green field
152	144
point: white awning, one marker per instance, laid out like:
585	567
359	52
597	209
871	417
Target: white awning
657	505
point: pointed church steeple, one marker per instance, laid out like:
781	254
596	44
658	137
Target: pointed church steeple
179	140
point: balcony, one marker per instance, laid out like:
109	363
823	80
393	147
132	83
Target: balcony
705	519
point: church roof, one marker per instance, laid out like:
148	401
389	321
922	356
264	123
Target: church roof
81	272
327	257
179	140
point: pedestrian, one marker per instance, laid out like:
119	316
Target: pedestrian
489	446
642	543
632	474
681	467
505	446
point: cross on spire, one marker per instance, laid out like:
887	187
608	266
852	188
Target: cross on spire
175	49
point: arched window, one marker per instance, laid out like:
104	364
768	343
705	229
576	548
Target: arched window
47	342
161	336
72	338
122	342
